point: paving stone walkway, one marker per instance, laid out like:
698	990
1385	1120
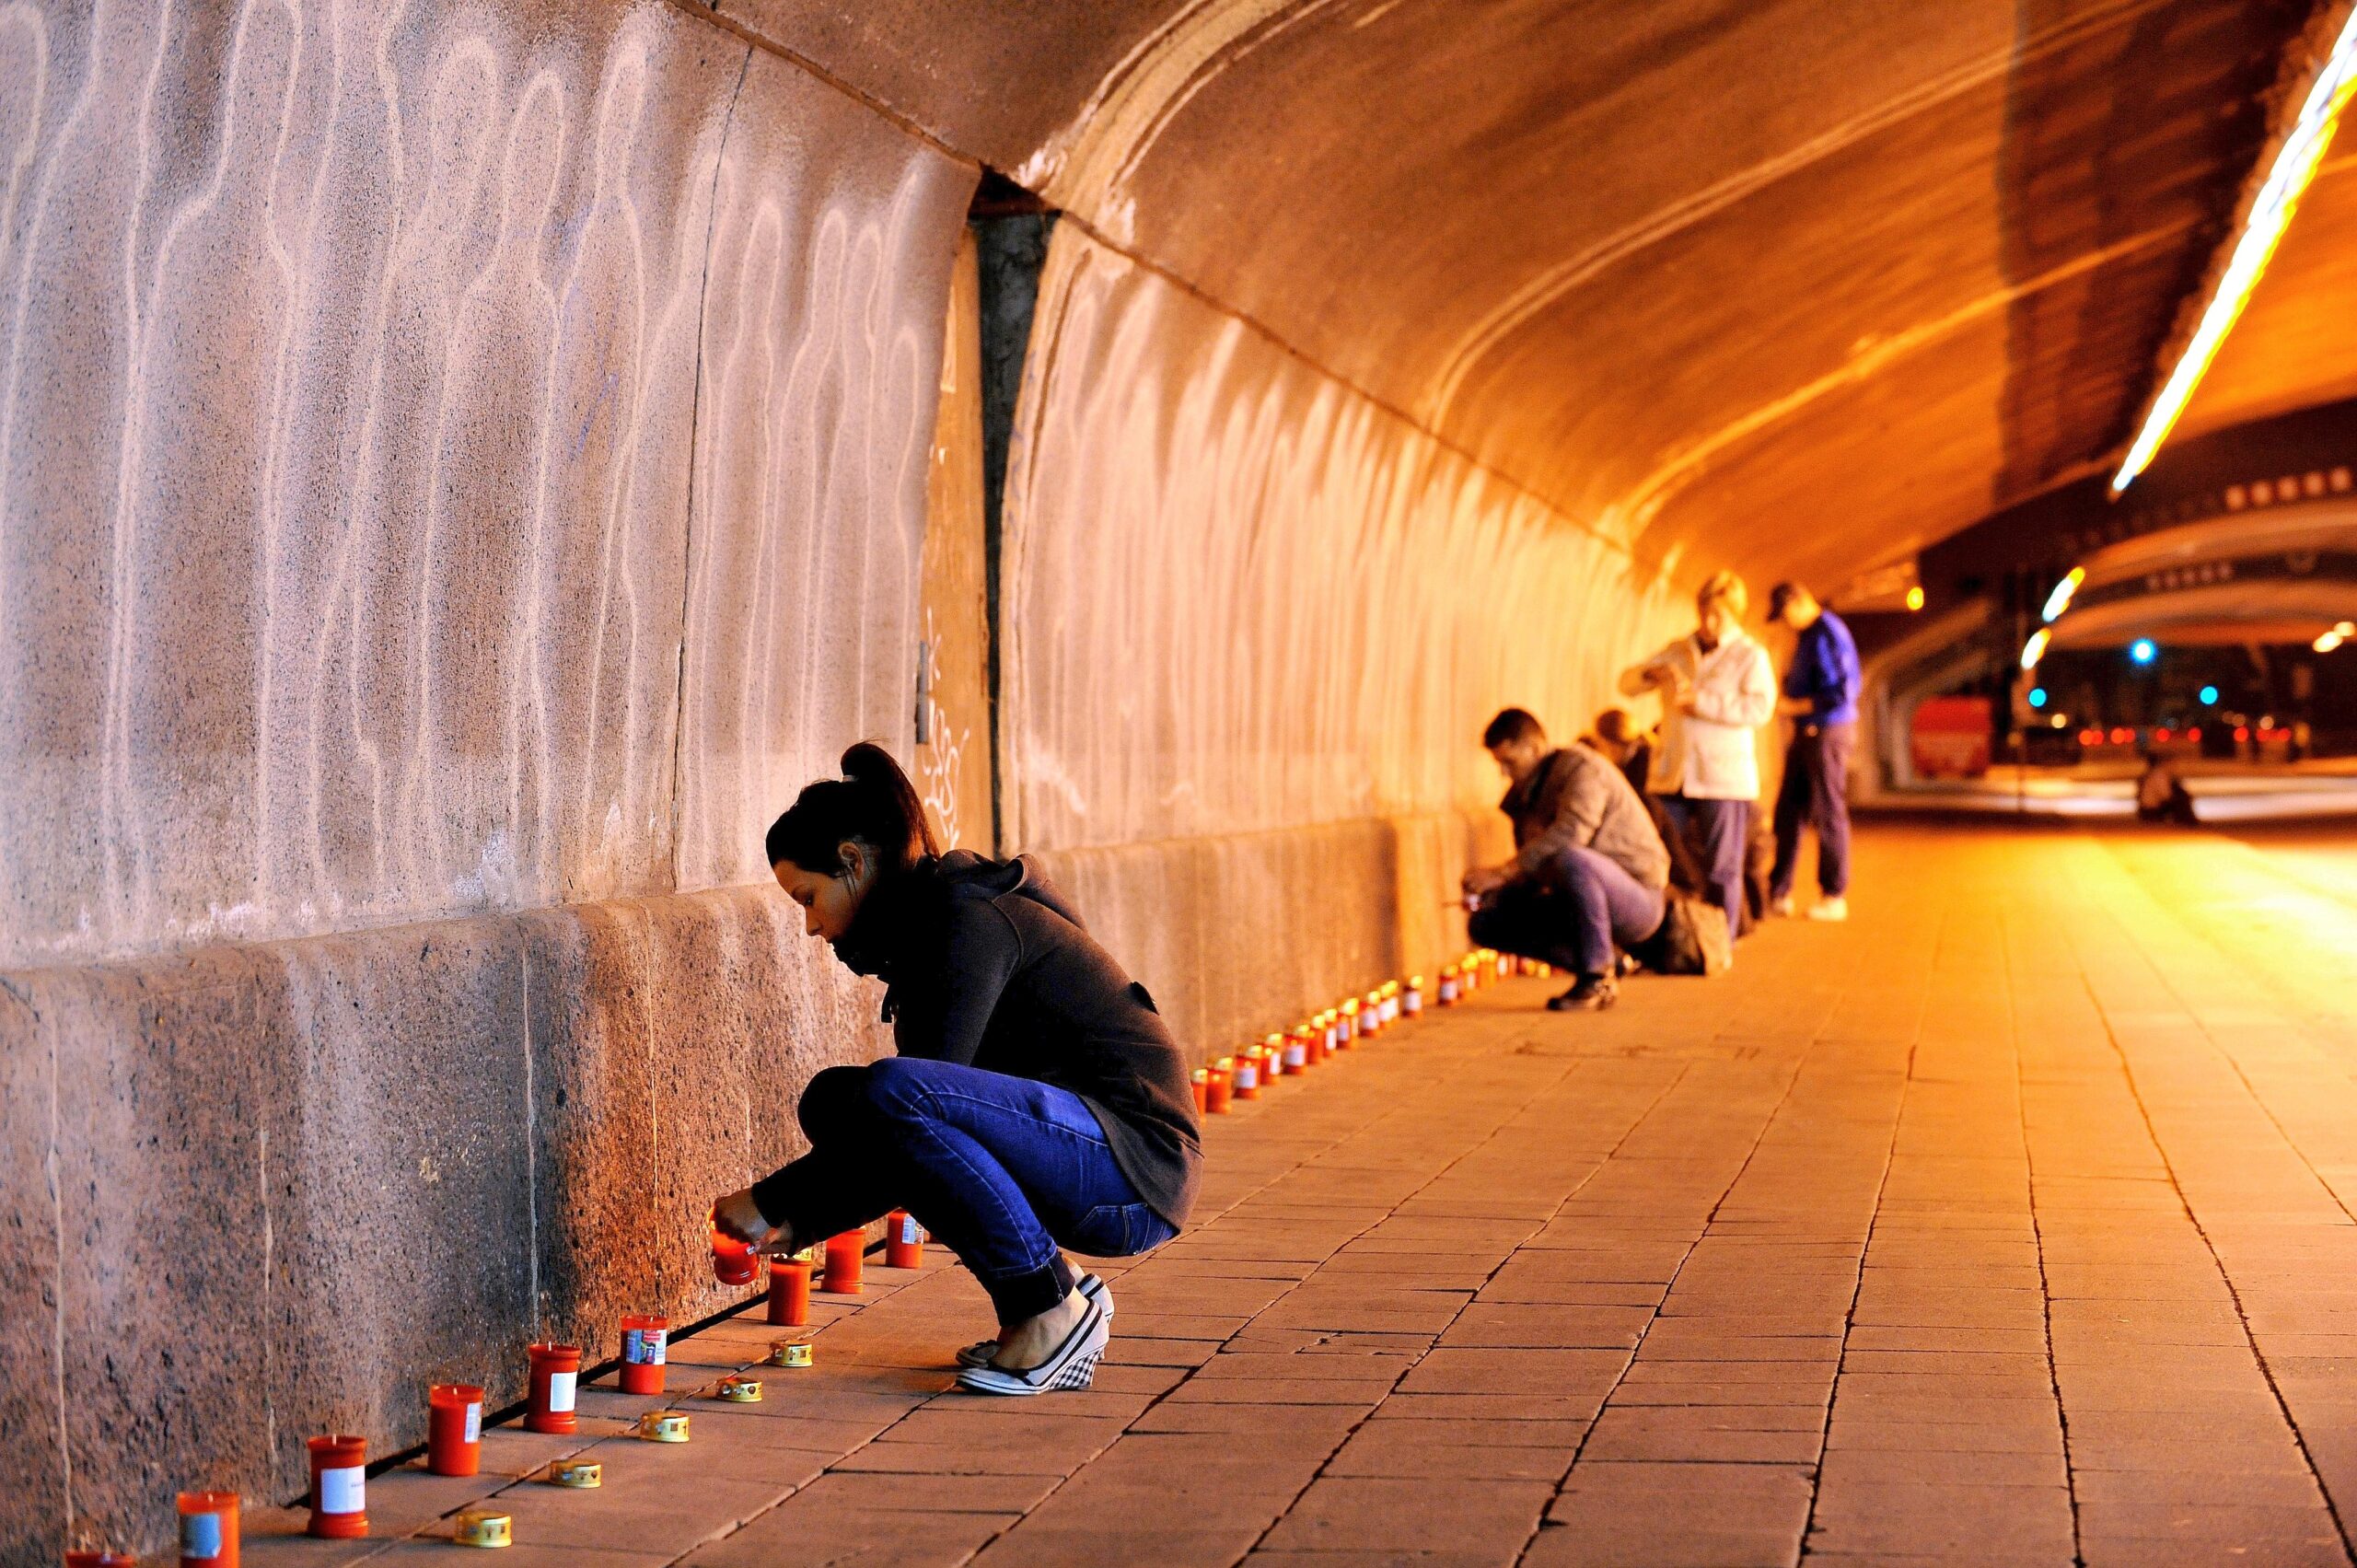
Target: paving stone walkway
2009	1223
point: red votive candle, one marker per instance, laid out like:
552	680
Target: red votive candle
1219	1085
1200	1081
733	1262
208	1529
645	1345
339	1487
1272	1055
903	1241
556	1374
454	1429
1244	1078
789	1292
843	1253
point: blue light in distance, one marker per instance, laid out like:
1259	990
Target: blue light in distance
2143	650
2209	696
2038	696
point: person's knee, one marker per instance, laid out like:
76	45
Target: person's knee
834	1099
1575	869
897	1089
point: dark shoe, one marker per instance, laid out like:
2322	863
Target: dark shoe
1594	993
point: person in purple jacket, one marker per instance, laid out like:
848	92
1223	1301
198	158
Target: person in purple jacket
1821	699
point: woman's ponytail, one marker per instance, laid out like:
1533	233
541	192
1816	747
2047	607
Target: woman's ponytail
902	833
873	804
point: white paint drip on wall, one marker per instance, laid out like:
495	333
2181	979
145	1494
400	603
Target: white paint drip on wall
1314	608
348	401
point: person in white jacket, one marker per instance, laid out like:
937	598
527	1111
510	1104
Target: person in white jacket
1717	687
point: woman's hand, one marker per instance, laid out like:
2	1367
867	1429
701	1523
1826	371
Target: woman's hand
736	1214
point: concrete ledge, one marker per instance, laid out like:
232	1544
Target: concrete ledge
258	1192
1240	934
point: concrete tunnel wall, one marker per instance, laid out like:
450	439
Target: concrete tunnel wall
460	471
1254	625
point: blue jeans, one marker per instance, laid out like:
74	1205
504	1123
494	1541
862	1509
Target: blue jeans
1718	831
1611	908
1815	792
1573	917
1003	1172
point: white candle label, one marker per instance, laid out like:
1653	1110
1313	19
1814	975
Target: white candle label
643	1347
343	1490
475	1421
561	1392
1247	1078
201	1536
1297	1056
909	1234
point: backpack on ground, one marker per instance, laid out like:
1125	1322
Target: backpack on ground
1693	938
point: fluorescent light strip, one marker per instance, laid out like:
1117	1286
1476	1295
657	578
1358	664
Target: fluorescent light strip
2060	599
2270	214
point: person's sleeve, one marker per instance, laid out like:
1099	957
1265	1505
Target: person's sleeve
981	956
1796	674
1579	811
1633	681
1750	705
1812	677
1849	675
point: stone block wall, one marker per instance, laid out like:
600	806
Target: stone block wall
1241	933
267	1190
461	466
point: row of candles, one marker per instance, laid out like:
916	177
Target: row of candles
454	1420
1338	1027
339	1505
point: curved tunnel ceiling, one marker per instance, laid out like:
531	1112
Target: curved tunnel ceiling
1797	285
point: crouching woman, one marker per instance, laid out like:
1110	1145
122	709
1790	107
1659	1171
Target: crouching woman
1037	1101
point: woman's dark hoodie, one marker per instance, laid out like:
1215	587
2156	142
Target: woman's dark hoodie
986	965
